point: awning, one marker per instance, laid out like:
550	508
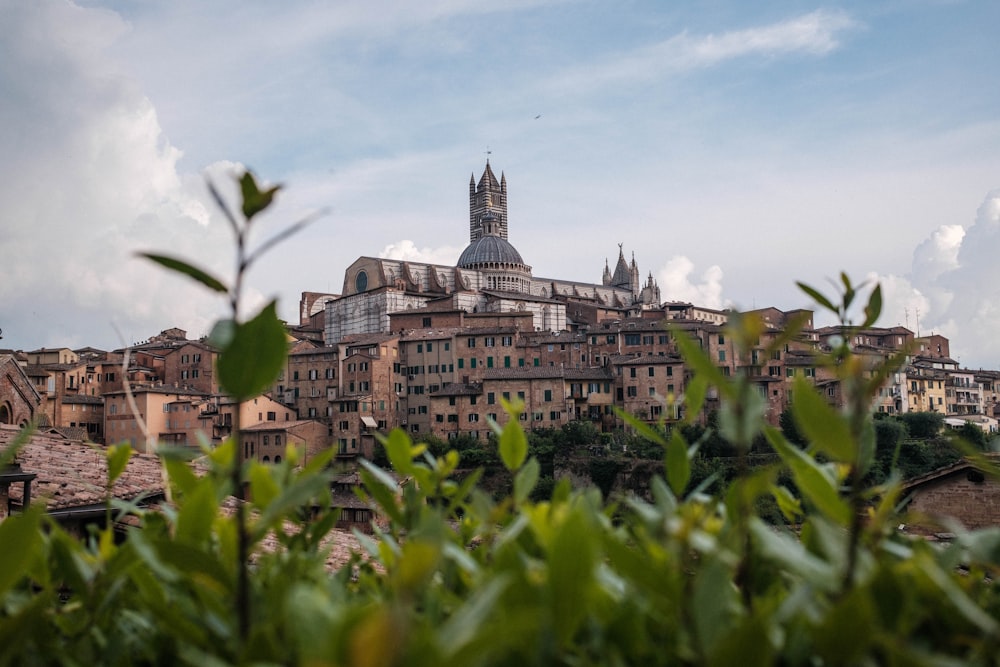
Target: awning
369	422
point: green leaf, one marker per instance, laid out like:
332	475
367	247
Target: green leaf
197	513
255	356
263	488
571	572
874	307
813	482
20	536
525	480
255	200
677	463
817	297
181	266
823	426
117	456
400	450
513	445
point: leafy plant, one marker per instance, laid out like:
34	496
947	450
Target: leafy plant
693	574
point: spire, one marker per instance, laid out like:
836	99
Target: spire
606	280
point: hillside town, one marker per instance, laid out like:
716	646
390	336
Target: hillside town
435	350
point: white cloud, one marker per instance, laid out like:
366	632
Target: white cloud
408	251
88	180
954	286
676	283
816	33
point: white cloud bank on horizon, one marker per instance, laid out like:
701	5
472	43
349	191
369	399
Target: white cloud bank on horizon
407	250
954	286
89	180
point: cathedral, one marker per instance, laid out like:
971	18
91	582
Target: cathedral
490	277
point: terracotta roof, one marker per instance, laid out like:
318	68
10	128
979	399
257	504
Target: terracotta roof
73	474
524	373
459	389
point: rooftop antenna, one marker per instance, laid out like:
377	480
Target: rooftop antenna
906	316
918	320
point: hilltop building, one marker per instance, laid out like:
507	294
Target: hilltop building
490	276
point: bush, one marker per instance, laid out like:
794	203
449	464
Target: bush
542	576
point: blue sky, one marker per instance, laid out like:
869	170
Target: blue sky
733	147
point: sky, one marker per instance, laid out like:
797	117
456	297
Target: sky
733	148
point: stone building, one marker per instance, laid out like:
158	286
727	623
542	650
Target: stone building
490	276
20	402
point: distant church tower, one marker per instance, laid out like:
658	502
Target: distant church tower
487	205
626	276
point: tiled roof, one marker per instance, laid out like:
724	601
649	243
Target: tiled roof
459	389
82	399
73	474
524	373
277	426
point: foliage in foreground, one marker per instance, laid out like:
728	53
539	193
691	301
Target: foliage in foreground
456	577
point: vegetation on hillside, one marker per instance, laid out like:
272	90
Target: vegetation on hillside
686	573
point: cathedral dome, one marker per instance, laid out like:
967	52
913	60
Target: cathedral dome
489	249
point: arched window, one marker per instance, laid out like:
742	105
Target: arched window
277	459
5	414
267	459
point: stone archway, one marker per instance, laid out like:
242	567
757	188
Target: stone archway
6	416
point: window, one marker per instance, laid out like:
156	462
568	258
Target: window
422	410
451	400
548	395
507	341
471	342
430	347
473	417
611	338
537	416
670	371
632	392
295	375
789	372
461	363
632	339
520	395
492	416
722	355
652	391
506	362
490	341
555	415
426	322
344	425
420	348
631	372
472	362
265	441
453	419
651	371
271	416
491	398
810	372
489	362
722	339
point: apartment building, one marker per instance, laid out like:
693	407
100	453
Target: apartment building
161	414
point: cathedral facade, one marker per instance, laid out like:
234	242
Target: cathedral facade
490	277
